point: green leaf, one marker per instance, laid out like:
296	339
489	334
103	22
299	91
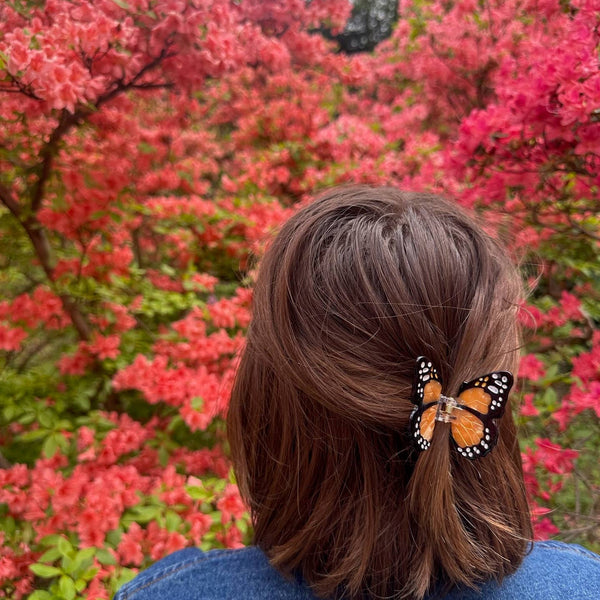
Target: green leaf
146	148
64	547
197	493
197	403
85	554
68	564
34	435
82	560
89	574
144	514
40	595
163	456
46	418
10	412
44	570
113	537
8	526
67	587
51	540
50	555
105	557
124	577
550	399
173	521
50	446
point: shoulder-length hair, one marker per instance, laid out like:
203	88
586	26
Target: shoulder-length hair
353	289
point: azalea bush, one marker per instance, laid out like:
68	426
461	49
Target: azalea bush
150	148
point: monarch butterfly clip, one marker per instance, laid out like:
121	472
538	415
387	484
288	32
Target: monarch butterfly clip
471	415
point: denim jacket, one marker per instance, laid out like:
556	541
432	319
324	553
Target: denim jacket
551	571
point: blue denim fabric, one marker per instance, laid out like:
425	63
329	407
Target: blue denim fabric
551	571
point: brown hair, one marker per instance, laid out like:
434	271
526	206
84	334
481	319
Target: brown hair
354	288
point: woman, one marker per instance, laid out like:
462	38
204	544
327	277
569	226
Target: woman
369	470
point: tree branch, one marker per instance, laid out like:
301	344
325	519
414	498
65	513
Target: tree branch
41	247
29	222
67	121
7	199
4	464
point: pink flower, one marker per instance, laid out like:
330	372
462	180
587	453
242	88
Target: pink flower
231	504
232	538
528	408
555	458
563	415
531	367
11	338
105	346
544	529
130	546
201	524
571	306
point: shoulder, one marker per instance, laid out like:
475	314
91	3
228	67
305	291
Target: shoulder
555	569
191	574
550	571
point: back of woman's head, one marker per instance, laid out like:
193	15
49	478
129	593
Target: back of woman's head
354	288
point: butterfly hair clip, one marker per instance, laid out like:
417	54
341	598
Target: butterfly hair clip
471	414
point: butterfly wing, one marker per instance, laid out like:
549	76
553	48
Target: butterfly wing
488	394
480	401
422	423
427	386
427	389
473	435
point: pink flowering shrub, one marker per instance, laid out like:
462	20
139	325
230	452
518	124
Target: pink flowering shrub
147	153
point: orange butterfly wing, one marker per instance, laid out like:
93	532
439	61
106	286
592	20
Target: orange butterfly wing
426	393
477	399
487	395
473	436
426	423
480	402
432	392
